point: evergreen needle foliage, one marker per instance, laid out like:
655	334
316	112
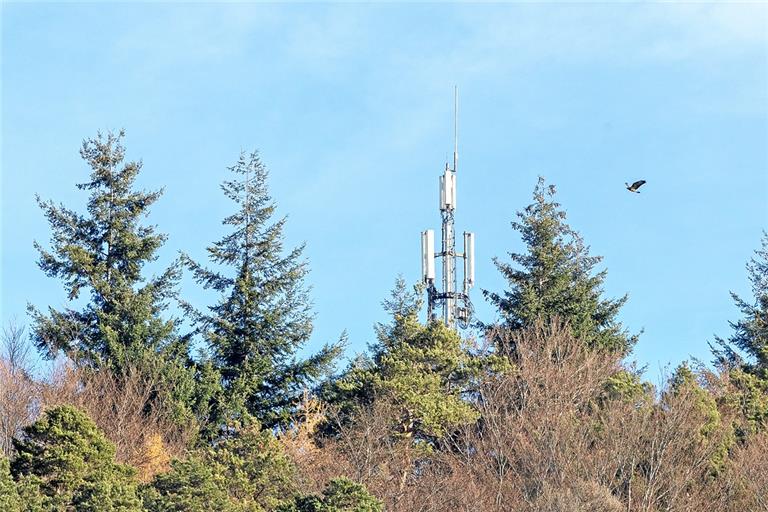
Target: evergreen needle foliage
65	463
750	334
425	370
262	317
555	277
9	495
551	420
190	486
120	324
104	252
245	471
745	353
341	495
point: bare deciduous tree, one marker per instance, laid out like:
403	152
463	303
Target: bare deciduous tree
18	390
553	438
127	409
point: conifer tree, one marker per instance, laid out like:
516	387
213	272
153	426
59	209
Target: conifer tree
684	382
745	353
262	317
70	465
555	277
424	369
9	495
104	252
750	336
344	495
340	495
246	469
190	486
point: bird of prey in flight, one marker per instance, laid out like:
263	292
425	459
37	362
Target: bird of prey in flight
636	185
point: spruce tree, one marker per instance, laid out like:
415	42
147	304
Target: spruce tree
685	383
262	317
747	347
103	252
745	353
555	277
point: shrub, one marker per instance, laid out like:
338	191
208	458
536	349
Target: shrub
65	459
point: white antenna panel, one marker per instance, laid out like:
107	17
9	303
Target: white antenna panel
448	190
428	255
442	192
469	254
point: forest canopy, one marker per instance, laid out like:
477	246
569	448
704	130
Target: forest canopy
229	407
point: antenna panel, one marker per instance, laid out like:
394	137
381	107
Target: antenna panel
448	190
469	259
452	192
428	255
442	192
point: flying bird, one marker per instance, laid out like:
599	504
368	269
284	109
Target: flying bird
636	185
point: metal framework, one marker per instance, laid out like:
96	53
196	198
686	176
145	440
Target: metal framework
456	305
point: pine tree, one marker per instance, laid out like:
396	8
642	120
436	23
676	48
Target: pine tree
247	469
555	277
9	495
425	370
190	486
256	471
344	495
68	464
340	495
104	252
750	336
262	317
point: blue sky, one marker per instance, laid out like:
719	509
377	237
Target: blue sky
351	108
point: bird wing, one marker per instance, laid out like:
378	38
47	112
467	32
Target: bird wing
638	184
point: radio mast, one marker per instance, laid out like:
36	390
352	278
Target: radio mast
456	305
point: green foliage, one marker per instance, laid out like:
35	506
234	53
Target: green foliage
423	369
32	499
684	382
340	495
751	331
262	317
245	471
310	503
65	463
104	253
747	394
745	353
555	278
344	495
627	386
208	392
9	495
251	464
190	486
